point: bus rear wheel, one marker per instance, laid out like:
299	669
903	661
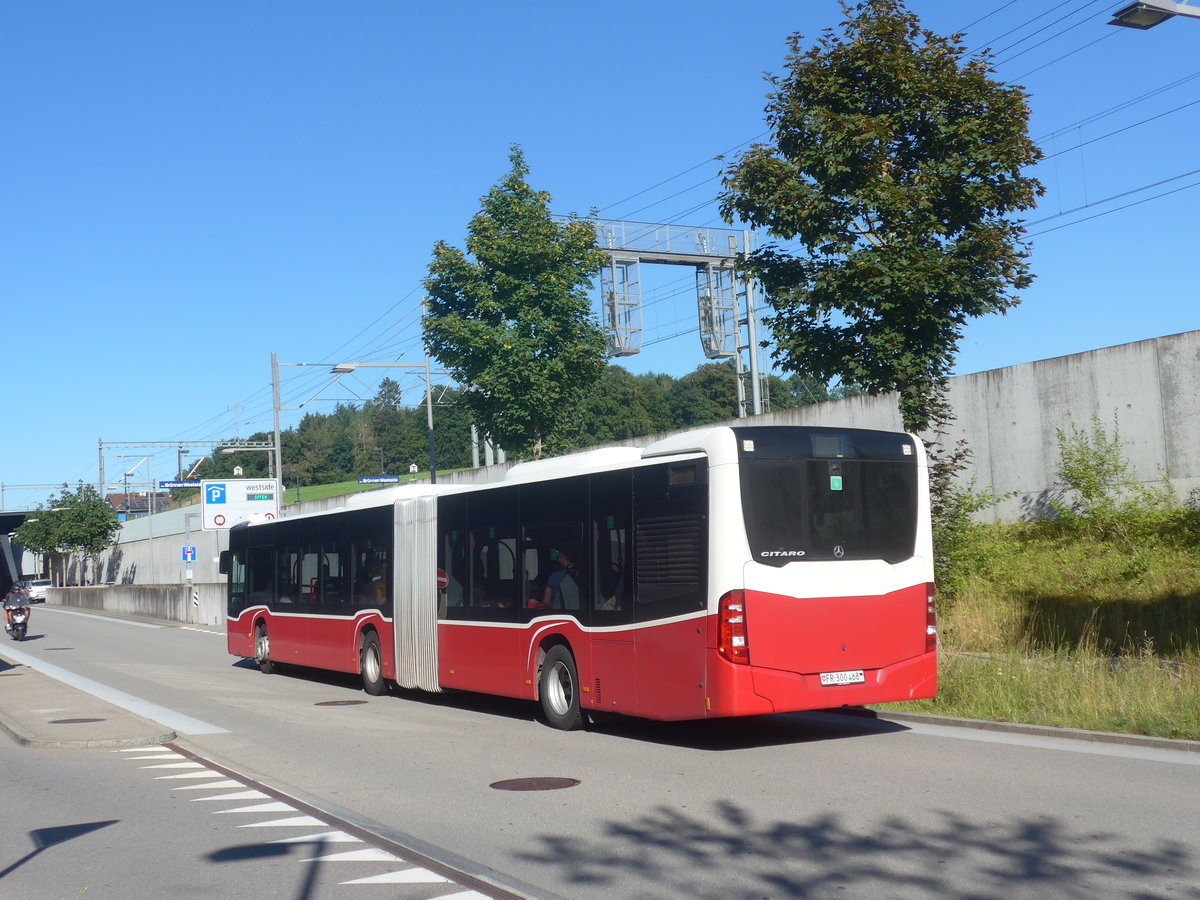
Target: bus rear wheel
558	689
262	650
371	664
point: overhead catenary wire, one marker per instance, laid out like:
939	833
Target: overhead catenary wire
395	340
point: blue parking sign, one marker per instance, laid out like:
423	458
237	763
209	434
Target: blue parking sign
215	492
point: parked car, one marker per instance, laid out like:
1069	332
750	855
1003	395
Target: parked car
36	589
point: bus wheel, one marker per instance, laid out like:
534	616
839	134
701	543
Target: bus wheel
559	689
372	666
262	650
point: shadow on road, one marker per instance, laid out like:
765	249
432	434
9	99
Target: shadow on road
44	838
273	850
670	853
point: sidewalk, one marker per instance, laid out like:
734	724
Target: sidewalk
40	711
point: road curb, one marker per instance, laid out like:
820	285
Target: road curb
37	710
1050	731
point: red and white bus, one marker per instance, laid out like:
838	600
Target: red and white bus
728	571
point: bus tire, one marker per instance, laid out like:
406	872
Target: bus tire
262	650
371	664
558	689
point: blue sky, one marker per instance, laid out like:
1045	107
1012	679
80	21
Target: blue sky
189	187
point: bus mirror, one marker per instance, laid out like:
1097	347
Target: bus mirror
223	564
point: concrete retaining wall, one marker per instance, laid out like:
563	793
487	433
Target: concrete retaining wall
169	602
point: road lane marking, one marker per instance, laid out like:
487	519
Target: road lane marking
260	808
293	822
176	721
94	617
236	795
419	871
370	854
329	837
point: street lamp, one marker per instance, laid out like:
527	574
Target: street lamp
347	368
1148	13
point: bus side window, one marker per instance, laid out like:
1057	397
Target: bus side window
495	574
259	576
368	569
453	558
556	559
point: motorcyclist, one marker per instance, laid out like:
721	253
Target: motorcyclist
16	598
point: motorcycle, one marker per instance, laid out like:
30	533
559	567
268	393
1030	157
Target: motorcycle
20	620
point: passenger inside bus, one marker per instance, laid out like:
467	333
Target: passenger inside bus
562	587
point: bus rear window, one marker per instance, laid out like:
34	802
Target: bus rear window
818	505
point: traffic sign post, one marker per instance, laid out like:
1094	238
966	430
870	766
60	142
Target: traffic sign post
225	502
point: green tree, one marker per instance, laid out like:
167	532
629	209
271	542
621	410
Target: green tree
511	318
622	406
78	520
895	166
704	396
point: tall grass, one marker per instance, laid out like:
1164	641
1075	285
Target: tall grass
1088	619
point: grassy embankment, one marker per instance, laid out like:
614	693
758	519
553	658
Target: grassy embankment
339	488
1090	619
1055	628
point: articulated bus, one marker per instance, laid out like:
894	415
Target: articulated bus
728	571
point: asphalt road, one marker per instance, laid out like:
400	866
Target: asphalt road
805	805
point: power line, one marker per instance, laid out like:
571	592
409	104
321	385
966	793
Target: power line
1045	65
1027	37
1016	28
1128	193
1117	209
965	28
1120	130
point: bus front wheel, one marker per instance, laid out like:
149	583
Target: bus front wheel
262	650
371	664
559	689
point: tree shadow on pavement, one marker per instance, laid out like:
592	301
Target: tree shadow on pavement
673	853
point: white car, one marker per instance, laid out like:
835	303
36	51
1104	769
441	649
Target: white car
36	588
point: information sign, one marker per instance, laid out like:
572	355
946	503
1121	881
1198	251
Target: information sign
379	479
227	501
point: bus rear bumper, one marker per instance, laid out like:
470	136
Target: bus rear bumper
751	690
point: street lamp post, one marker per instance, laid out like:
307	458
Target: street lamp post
347	368
380	449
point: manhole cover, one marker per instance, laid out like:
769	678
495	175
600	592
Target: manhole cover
534	784
340	703
74	721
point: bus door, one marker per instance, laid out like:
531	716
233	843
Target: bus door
416	597
614	669
670	584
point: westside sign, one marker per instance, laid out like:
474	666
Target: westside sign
227	501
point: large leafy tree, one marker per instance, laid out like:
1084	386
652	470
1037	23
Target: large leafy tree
510	318
893	172
76	520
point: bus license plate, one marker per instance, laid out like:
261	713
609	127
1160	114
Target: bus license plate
854	677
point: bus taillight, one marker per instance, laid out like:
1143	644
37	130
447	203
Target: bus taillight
930	619
731	642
